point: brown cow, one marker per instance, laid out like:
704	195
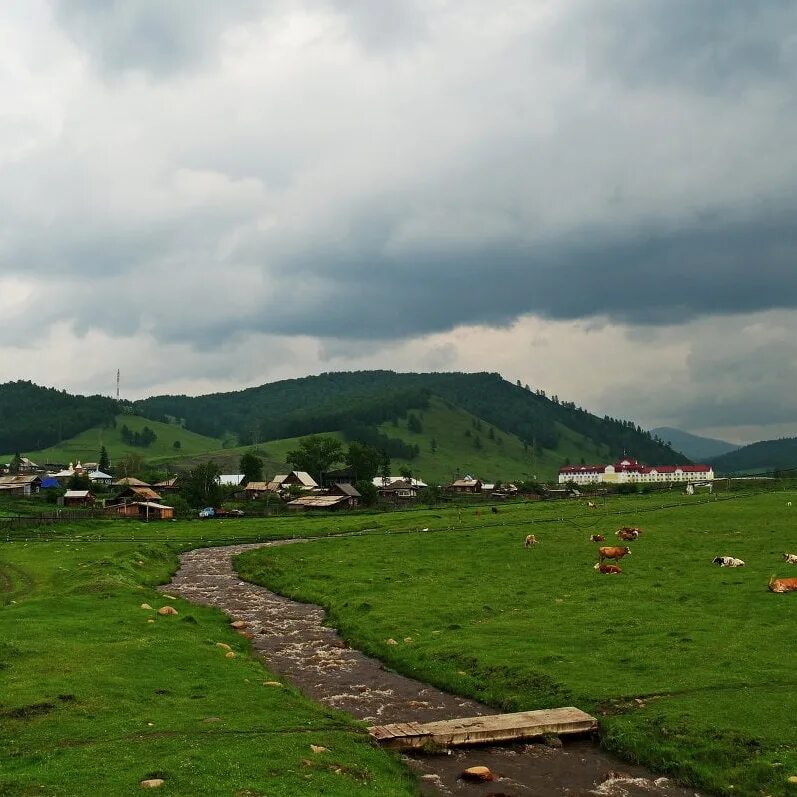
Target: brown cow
610	552
782	584
597	538
602	568
530	540
626	535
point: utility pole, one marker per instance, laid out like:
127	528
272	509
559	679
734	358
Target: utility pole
117	384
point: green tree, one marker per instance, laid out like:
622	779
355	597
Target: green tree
477	443
368	492
251	467
414	424
405	473
79	481
384	467
316	454
200	486
16	464
177	445
364	461
104	463
433	445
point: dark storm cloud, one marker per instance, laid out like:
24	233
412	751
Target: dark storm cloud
707	45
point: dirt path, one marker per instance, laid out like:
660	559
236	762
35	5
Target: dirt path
292	640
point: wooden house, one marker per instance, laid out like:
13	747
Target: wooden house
466	485
78	498
20	485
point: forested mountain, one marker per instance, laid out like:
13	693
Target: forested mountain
338	400
768	455
694	446
33	417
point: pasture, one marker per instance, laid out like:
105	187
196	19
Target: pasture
94	698
691	668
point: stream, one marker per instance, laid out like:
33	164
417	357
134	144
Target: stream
292	640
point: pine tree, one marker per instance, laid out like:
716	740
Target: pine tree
104	462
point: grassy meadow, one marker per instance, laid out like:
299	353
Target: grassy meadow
691	668
94	698
86	446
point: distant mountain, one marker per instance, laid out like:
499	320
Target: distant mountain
768	455
694	446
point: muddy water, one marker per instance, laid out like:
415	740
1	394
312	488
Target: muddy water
292	640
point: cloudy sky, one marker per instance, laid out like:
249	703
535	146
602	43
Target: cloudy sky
597	197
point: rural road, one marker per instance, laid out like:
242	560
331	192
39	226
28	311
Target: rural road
292	640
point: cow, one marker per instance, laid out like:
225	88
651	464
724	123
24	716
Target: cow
782	584
727	561
626	534
494	510
610	552
591	504
609	569
791	558
530	540
597	538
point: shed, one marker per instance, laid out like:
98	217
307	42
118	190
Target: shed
150	510
329	503
78	498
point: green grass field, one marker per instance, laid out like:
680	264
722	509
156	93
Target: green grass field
691	668
85	447
94	698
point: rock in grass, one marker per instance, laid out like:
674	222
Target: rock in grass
223	646
164	610
391	642
271	683
150	620
152	783
230	655
146	606
792	779
317	748
477	774
238	624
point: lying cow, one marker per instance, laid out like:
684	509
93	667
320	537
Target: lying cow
626	534
613	553
597	538
791	558
727	561
782	584
530	540
602	568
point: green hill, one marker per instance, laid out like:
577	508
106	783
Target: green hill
85	447
768	455
34	417
296	407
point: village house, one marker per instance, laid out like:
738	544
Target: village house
230	479
150	510
78	498
398	490
139	494
98	477
348	491
629	471
167	486
20	485
466	485
328	503
130	481
255	490
298	477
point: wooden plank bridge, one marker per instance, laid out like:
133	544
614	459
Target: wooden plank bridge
485	730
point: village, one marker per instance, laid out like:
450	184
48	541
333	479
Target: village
84	486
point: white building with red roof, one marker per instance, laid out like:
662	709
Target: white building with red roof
629	471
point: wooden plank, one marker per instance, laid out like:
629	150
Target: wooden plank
487	729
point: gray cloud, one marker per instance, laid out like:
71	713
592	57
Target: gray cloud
704	45
160	38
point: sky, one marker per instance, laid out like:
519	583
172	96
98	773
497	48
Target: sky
595	197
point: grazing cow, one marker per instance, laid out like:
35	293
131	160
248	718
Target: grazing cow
626	534
602	568
791	558
494	510
782	584
613	553
727	561
591	504
597	538
530	540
